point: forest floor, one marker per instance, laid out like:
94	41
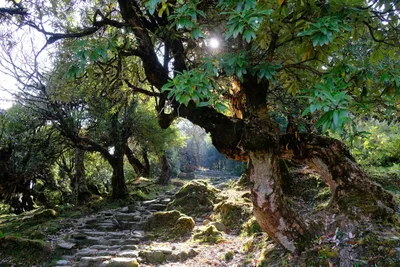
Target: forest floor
115	236
220	231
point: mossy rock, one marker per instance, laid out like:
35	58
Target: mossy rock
24	252
146	189
169	224
45	215
209	234
328	253
152	256
358	203
251	227
140	195
384	247
37	234
123	262
233	214
194	198
185	224
228	256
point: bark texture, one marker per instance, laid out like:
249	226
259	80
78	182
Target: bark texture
166	171
350	186
79	181
119	189
271	209
139	168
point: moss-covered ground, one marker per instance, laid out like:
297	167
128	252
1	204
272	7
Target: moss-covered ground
342	239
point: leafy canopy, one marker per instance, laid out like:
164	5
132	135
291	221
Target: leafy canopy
342	56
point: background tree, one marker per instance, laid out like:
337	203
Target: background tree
28	149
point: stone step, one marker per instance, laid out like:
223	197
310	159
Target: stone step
130	241
157	207
107	213
63	263
141	208
165	200
112	235
105	247
127	225
148	202
66	245
92	261
121	262
136	216
129	247
94	233
90	240
95	253
128	253
137	234
106	226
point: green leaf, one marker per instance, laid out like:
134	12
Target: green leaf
249	35
324	118
336	117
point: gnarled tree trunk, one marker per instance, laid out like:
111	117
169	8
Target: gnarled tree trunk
352	190
271	209
251	136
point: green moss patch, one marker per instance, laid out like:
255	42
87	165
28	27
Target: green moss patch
169	224
34	224
24	252
233	214
146	189
194	198
209	234
357	203
251	227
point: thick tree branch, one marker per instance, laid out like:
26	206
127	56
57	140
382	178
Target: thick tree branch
226	132
13	11
300	65
97	24
140	90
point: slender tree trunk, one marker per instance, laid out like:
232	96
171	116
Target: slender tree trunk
271	209
138	167
119	189
166	171
79	182
146	172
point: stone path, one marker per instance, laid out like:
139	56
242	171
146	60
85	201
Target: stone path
114	237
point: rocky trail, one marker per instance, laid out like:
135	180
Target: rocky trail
116	238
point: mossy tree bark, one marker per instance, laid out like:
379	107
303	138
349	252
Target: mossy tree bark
139	168
119	189
351	188
78	183
271	209
166	171
256	140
